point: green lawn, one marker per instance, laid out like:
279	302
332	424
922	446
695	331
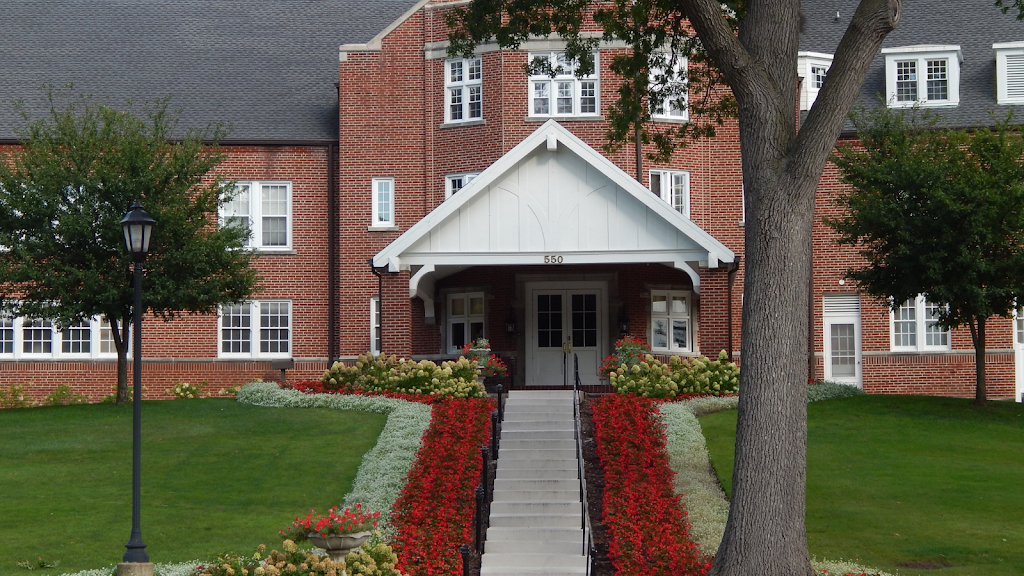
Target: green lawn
216	475
916	484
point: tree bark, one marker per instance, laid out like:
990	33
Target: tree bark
978	337
120	336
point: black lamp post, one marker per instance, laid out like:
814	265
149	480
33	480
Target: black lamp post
137	226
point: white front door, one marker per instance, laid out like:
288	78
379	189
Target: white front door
841	313
564	319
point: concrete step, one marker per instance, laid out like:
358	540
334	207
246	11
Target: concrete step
534	474
567	508
507	453
537	464
540	394
535	425
534	444
532	560
562	534
507	434
498	546
523	494
531	484
536	520
526	571
528	416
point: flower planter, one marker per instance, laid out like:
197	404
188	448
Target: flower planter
339	545
481	355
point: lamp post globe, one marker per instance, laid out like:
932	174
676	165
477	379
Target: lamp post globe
137	227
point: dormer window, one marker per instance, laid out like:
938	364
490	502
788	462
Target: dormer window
1009	72
926	76
812	67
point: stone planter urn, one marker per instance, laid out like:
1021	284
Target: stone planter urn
339	545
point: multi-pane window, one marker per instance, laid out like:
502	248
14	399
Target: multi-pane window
77	338
6	334
922	75
264	208
673	186
256	329
463	89
818	76
915	326
562	94
670	321
465	319
375	332
36	336
383	202
33	338
812	68
456	182
671	91
106	338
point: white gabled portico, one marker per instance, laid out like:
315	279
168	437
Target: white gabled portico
552	199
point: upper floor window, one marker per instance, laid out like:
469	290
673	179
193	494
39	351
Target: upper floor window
915	326
383	202
465	319
922	76
672	92
563	94
670	321
1009	72
673	186
255	329
463	82
812	67
38	338
375	334
455	182
265	209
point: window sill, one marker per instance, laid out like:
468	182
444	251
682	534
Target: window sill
565	118
276	251
382	228
670	119
461	124
923	104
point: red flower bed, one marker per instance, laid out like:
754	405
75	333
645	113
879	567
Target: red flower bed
434	513
647	529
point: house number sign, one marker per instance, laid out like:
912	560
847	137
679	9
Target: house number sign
552	259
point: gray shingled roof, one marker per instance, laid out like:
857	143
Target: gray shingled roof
265	68
974	25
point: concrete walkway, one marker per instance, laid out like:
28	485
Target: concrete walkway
536	517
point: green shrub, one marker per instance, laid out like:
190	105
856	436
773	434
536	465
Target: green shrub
63	395
827	390
455	379
13	397
680	377
186	391
374	558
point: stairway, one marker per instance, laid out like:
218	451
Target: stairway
536	516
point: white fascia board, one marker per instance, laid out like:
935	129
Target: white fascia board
669	257
1007	45
815	55
926	48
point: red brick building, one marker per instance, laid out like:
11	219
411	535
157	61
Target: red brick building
427	200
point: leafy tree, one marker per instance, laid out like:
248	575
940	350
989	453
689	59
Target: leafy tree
938	212
752	45
63	194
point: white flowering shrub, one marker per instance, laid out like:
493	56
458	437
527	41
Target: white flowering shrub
680	377
186	391
453	378
827	390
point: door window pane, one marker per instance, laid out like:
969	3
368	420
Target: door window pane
584	320
844	351
549	320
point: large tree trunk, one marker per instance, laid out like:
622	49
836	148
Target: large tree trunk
120	336
978	337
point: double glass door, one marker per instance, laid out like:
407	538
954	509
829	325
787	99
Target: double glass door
564	323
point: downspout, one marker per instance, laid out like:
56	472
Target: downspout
731	268
811	376
380	302
332	253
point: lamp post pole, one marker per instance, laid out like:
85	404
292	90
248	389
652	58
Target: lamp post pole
137	226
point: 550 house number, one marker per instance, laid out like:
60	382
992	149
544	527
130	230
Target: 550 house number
552	259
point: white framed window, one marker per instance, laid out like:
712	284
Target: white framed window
265	208
672	90
670	321
257	329
564	94
375	334
463	88
1009	72
673	186
812	67
383	203
455	182
922	76
915	326
34	338
465	319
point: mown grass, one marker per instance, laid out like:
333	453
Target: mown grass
918	485
216	475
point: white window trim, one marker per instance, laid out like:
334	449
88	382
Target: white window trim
667	315
56	344
920	334
467	318
665	112
921	55
450	179
566	76
1005	50
666	191
256	214
463	86
374	347
254	332
378	219
806	61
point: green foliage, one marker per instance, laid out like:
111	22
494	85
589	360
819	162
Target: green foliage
13	397
659	34
454	379
680	377
375	558
39	562
186	391
828	390
63	395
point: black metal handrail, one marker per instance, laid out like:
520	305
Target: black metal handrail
581	473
